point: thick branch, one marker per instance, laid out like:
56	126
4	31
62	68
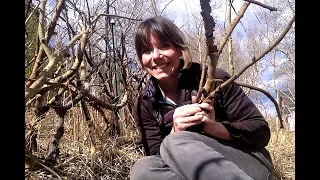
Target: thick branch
41	54
106	105
54	20
78	59
209	25
36	86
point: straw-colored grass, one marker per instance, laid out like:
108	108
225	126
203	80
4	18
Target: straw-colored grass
113	157
282	150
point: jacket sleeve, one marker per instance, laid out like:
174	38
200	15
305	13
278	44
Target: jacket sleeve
148	127
245	123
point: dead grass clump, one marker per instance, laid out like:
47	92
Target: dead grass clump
112	157
282	151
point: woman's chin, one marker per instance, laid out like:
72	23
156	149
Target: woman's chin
161	76
163	73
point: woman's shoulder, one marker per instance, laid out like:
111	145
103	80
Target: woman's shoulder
222	74
141	103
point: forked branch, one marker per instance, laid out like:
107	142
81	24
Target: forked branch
214	52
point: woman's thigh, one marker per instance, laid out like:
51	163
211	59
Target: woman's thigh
152	167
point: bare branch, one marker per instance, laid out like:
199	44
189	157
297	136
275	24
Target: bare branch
35	87
262	5
54	20
155	10
41	20
112	15
78	59
231	27
209	25
106	105
34	10
165	6
254	60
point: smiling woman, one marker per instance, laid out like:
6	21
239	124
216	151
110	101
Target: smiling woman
187	140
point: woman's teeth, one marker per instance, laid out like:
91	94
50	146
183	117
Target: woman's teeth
161	66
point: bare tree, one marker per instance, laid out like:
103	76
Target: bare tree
74	63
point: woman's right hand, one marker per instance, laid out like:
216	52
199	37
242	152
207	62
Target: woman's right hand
186	116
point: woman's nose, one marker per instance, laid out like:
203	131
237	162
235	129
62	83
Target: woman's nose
156	53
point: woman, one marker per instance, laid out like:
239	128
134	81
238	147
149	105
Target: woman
185	140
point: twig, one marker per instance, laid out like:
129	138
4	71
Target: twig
262	5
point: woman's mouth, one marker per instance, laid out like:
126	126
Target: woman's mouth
160	66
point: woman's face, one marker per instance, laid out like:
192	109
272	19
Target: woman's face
161	59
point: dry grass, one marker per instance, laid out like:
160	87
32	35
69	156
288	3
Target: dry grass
113	157
282	151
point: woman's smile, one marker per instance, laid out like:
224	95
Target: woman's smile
162	66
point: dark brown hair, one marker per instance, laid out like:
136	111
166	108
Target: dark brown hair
163	30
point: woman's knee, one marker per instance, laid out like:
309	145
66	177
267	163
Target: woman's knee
181	138
142	168
177	142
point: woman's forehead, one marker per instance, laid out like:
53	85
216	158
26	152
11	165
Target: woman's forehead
151	38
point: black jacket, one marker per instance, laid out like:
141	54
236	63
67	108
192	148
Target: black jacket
153	116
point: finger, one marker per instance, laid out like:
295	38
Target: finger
202	113
205	119
193	99
206	106
182	126
187	111
189	119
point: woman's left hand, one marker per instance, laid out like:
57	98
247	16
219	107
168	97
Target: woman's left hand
208	112
211	126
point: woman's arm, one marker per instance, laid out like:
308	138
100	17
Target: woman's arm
216	129
148	127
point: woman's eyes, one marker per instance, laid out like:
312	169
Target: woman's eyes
165	45
162	46
146	51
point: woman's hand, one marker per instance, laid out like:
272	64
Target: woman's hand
187	116
207	112
211	126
